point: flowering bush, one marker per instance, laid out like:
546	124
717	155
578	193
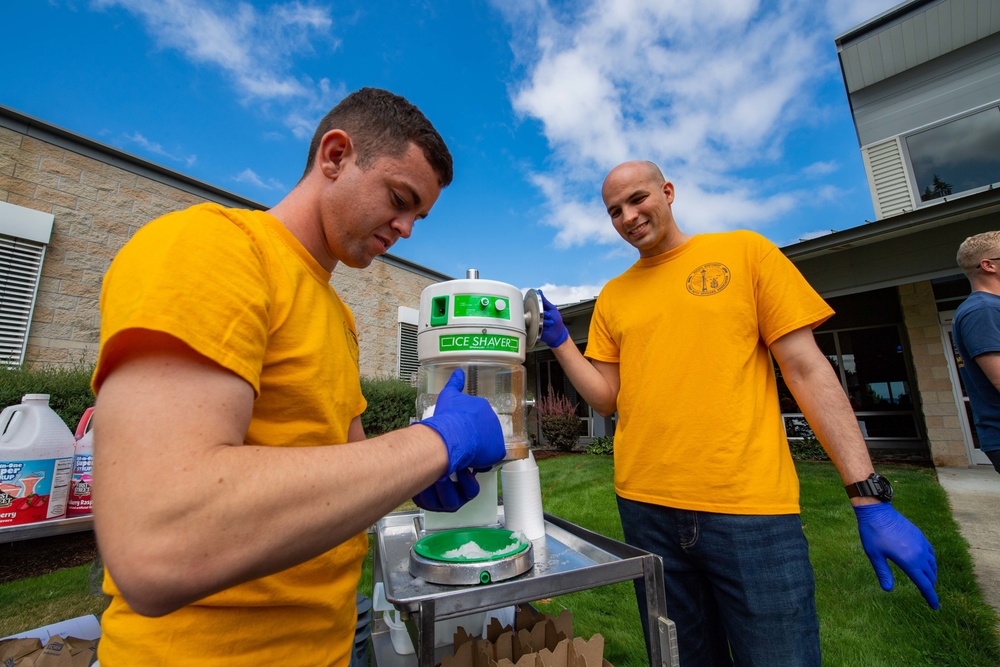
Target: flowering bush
560	425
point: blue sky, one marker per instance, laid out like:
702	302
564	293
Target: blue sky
740	102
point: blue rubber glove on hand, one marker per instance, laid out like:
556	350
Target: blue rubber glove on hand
887	534
554	332
468	425
448	495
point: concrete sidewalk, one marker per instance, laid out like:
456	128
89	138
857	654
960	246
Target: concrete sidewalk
974	494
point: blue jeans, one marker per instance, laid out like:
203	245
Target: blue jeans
739	588
994	457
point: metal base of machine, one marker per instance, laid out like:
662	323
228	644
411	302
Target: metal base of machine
466	574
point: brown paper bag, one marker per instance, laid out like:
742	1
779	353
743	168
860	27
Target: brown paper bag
15	650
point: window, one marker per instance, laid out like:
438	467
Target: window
871	366
407	361
950	291
24	234
957	156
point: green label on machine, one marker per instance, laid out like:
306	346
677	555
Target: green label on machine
482	305
479	342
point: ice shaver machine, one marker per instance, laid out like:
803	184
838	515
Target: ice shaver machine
484	327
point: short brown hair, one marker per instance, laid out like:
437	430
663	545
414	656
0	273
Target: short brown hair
975	249
382	124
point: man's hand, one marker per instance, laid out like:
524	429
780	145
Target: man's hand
554	332
468	425
887	534
447	494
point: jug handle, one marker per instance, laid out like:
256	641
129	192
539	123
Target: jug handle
8	421
81	428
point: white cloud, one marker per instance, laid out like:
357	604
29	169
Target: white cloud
250	176
253	47
140	140
707	89
562	295
821	168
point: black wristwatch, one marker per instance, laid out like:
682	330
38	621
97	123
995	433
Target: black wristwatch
876	486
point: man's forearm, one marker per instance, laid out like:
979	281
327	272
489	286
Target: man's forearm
251	511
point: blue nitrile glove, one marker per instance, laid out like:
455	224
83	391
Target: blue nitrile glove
554	332
887	534
468	425
448	495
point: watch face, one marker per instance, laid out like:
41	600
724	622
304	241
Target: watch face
882	486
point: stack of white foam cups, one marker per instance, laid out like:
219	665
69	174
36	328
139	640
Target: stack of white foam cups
522	497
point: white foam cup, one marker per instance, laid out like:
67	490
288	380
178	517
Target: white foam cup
522	497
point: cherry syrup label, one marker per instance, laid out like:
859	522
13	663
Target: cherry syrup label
79	488
33	490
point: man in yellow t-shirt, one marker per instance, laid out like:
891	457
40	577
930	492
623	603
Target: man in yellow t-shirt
236	480
680	346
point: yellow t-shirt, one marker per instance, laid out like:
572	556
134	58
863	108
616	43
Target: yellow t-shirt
237	287
699	425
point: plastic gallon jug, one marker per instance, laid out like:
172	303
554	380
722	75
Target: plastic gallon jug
80	486
36	462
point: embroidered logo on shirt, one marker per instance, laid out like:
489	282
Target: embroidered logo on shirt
708	279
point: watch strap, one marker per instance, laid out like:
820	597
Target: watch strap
864	489
875	486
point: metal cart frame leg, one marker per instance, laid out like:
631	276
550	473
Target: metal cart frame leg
662	631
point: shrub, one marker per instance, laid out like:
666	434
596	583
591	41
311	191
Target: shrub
602	446
560	425
68	388
391	404
807	449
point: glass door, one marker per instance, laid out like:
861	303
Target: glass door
976	455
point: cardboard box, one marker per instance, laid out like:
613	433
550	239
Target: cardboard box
56	652
536	640
45	646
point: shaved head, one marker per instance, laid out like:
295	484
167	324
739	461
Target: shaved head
636	170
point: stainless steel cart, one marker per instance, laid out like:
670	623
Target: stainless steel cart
47	528
567	559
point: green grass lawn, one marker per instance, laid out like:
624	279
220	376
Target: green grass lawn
860	625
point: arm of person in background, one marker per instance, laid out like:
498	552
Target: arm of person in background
885	533
186	509
597	382
990	363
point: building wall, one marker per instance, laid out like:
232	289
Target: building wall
930	364
98	206
374	295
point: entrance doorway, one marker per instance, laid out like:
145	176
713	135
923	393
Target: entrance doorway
976	455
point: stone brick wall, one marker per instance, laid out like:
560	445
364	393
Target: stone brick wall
374	295
98	206
930	365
